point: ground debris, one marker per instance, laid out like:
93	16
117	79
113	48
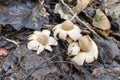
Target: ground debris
108	50
23	64
11	59
23	14
112	9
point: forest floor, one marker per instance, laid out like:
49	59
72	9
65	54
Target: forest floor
19	19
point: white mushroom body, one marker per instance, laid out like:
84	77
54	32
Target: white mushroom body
40	41
89	51
67	31
73	49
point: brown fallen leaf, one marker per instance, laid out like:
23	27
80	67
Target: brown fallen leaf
69	1
101	23
104	33
81	4
3	52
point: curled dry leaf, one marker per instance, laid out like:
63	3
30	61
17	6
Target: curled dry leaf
3	52
81	4
101	23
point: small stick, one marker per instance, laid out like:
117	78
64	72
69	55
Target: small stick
12	41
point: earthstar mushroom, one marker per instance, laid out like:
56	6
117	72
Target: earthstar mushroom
67	31
41	40
88	51
73	49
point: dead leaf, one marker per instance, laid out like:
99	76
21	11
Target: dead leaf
63	13
19	14
101	23
81	4
104	33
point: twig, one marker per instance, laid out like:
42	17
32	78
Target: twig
12	41
115	34
73	16
79	20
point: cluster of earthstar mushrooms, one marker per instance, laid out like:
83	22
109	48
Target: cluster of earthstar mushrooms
81	48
